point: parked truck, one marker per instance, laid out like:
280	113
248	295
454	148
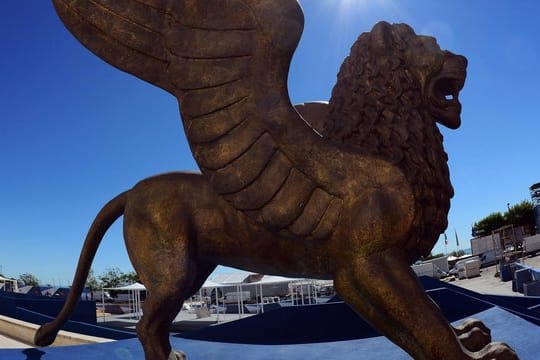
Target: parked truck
487	248
234	297
435	268
531	244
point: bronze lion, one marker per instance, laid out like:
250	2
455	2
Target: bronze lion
354	190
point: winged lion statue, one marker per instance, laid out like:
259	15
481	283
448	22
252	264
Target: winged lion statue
354	190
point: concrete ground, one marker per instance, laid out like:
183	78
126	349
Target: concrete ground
488	283
184	321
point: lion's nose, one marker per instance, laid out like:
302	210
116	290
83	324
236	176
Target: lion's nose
456	60
463	59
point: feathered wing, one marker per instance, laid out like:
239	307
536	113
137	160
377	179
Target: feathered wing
227	62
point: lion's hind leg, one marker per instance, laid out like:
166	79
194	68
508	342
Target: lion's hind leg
161	243
164	302
385	291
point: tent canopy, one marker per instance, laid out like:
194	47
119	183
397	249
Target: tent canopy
221	281
209	284
231	279
135	286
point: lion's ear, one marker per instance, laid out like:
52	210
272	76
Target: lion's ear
381	36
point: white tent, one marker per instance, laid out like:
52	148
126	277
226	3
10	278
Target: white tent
231	279
12	283
134	299
209	284
236	279
212	285
133	287
272	279
241	279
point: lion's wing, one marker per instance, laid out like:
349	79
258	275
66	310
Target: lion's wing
227	62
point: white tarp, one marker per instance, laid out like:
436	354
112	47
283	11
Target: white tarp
134	300
13	283
132	287
224	280
231	279
209	284
272	279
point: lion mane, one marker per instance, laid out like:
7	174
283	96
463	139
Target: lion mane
378	107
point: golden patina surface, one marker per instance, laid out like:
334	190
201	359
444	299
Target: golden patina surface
352	190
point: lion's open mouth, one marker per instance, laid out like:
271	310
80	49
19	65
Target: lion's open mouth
445	88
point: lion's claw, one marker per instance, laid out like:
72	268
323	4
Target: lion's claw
496	351
177	355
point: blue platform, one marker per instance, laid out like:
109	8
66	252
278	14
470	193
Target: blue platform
518	333
23	306
330	331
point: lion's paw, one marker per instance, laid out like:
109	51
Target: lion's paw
496	351
474	340
177	355
470	324
473	334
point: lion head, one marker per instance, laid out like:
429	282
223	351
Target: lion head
391	91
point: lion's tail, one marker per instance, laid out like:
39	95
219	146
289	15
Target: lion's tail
46	334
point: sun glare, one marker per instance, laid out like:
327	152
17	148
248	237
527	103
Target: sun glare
350	7
353	4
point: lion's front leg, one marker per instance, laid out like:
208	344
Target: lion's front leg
383	289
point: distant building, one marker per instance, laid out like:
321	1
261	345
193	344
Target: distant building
535	196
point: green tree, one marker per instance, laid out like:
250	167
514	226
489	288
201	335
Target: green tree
92	283
111	278
488	224
431	256
29	279
457	253
130	278
521	214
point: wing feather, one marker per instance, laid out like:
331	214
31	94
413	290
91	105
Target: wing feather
271	178
227	62
246	169
312	214
102	31
207	73
329	219
229	148
211	127
288	203
211	44
196	103
210	14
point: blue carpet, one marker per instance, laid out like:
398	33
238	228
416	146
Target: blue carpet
518	333
329	331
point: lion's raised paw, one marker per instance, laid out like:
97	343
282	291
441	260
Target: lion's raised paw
177	355
496	351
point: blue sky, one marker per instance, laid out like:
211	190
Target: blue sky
74	131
